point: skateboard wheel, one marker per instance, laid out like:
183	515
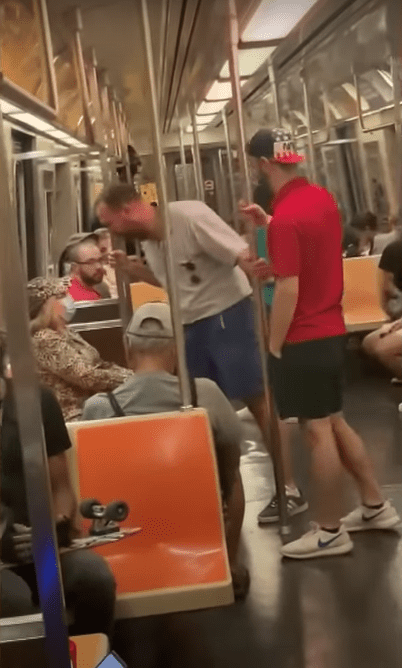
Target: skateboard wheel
117	511
88	508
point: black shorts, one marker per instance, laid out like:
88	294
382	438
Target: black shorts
307	381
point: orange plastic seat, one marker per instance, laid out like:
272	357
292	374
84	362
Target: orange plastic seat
164	467
361	300
141	293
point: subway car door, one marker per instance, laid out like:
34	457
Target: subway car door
45	216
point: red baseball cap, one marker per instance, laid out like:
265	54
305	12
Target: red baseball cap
275	145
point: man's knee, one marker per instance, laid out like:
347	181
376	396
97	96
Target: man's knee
316	431
370	343
85	574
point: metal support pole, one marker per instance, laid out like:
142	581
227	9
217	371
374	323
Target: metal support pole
274	87
310	138
118	243
197	156
232	186
183	162
164	212
272	433
30	427
396	78
76	18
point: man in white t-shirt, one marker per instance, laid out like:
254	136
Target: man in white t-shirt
211	262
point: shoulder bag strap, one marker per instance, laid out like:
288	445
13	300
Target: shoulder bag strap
118	411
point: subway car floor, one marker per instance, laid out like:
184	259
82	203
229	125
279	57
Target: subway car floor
342	612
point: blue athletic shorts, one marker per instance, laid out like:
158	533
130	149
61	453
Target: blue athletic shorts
224	348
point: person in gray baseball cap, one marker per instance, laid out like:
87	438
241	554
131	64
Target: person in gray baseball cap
154	388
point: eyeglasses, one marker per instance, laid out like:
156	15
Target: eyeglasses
102	261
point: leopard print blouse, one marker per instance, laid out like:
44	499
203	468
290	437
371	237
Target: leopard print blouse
74	369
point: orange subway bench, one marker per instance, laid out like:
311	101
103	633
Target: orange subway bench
164	466
142	293
361	299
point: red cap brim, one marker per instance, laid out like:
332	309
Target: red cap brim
290	159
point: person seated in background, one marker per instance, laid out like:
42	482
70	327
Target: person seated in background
364	227
106	250
86	265
385	344
89	585
66	363
350	242
381	241
154	388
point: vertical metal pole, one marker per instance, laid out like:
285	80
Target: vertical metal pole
310	138
197	155
196	179
78	27
274	87
396	78
28	408
232	186
118	243
183	162
394	18
164	210
272	434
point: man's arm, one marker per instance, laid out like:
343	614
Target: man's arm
135	269
216	238
283	308
386	289
64	500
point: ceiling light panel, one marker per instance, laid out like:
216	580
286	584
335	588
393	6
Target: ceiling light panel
249	61
275	18
205	120
200	128
220	91
211	107
33	122
8	108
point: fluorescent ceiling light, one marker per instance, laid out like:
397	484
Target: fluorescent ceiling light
58	134
249	61
8	108
33	121
220	91
275	18
351	90
205	120
211	107
200	128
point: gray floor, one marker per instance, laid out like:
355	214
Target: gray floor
343	612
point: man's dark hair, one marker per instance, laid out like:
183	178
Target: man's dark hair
118	195
364	221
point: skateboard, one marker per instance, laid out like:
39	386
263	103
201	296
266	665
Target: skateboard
104	529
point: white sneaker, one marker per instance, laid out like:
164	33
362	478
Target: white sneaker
318	543
366	519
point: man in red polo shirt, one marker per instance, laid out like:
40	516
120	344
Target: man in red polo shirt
307	345
87	267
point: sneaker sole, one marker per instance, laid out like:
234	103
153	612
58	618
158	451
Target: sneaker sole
390	523
275	520
346	548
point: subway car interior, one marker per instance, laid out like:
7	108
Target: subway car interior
164	95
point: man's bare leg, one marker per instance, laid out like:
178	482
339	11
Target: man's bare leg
235	506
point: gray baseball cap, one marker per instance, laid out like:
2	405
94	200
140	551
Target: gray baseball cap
156	311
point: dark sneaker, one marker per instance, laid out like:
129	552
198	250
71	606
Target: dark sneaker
295	506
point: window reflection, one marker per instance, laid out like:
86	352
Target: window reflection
23	58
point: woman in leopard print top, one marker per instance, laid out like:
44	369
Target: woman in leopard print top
65	362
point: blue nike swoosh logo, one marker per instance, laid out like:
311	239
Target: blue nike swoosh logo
327	542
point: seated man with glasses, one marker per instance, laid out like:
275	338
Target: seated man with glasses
87	268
